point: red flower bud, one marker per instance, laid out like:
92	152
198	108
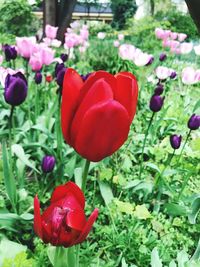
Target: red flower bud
96	114
49	78
64	223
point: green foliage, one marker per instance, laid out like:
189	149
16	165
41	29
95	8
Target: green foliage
122	10
16	18
179	22
20	260
100	27
142	33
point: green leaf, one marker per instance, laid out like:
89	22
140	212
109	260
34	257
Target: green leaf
182	258
153	166
9	180
70	166
195	208
9	250
78	176
60	256
175	209
141	212
106	192
172	264
19	152
155	259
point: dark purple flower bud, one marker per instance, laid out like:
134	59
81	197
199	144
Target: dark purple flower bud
173	75
159	89
175	141
38	77
194	122
48	163
162	57
64	57
15	91
84	77
10	52
58	67
60	76
156	103
150	61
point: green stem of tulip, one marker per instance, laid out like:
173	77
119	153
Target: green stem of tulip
144	143
188	135
183	186
85	174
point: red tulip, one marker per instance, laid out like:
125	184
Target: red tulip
96	114
64	223
49	78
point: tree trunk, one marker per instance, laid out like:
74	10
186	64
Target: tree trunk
65	15
152	7
194	7
49	12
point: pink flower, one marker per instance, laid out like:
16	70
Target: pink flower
47	55
101	35
75	24
51	31
84	33
173	35
35	61
56	43
197	50
82	49
186	48
116	43
120	36
141	59
159	33
182	37
162	73
26	46
1	59
189	76
127	51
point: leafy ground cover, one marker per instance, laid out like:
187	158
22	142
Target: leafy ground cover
147	192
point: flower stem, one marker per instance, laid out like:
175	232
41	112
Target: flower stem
85	173
188	135
144	143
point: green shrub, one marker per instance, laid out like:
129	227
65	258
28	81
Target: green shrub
142	33
99	27
179	22
122	10
16	18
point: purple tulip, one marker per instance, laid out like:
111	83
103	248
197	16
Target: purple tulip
15	91
58	67
10	52
173	75
162	57
194	122
60	76
48	163
38	77
159	89
156	103
84	77
175	141
64	57
150	61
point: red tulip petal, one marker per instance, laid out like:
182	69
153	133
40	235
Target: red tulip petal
69	189
37	217
76	219
88	227
47	234
71	88
103	129
109	78
126	92
99	91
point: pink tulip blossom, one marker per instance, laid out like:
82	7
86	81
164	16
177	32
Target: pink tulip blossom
127	51
162	73
186	48
101	35
51	31
173	35
182	37
1	59
26	46
116	43
197	50
120	36
47	55
36	61
190	76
